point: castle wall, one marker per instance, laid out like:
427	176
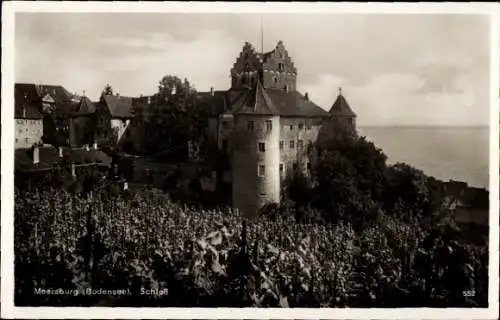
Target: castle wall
251	188
292	131
28	132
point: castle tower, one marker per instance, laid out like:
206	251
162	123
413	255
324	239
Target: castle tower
256	154
274	69
341	113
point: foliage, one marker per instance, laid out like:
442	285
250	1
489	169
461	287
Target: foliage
108	90
175	117
210	258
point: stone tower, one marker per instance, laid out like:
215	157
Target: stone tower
274	69
256	154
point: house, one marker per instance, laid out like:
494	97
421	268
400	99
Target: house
66	121
115	112
28	104
264	126
41	160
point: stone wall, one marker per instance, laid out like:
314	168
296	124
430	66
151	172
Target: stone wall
28	132
256	179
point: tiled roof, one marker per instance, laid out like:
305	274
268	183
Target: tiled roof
65	105
291	104
255	101
294	104
26	102
341	108
119	106
49	157
85	106
215	102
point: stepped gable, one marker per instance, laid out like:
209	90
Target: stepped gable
341	108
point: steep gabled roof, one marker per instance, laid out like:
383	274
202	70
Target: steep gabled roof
26	102
256	101
294	104
85	106
119	106
341	108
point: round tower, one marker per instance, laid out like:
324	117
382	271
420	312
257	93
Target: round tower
256	159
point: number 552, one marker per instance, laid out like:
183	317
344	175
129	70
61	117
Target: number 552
469	293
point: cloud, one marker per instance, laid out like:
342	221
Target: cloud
394	69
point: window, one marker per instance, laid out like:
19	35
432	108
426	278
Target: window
262	147
291	127
309	126
250	125
262	170
281	145
292	144
308	166
294	167
300	144
281	169
269	125
349	120
301	126
225	124
275	80
281	66
224	145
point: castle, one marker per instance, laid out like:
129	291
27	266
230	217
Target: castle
262	126
265	126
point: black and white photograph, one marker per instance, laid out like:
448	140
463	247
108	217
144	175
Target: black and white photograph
270	160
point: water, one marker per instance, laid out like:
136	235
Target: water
458	153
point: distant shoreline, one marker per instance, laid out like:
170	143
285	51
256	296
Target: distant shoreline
424	126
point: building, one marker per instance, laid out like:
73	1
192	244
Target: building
264	126
37	163
28	103
118	112
51	114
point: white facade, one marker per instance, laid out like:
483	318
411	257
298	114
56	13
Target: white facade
28	132
256	159
119	126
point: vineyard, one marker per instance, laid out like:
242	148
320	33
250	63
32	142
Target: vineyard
215	258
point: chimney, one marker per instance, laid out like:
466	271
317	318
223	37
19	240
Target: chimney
306	96
60	152
73	170
149	100
36	154
212	91
96	147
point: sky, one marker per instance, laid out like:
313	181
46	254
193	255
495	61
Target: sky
393	69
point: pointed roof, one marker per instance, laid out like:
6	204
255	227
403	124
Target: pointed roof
255	102
341	108
118	106
85	106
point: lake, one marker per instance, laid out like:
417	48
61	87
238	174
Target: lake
458	153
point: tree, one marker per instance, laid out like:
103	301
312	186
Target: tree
349	175
108	90
176	117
